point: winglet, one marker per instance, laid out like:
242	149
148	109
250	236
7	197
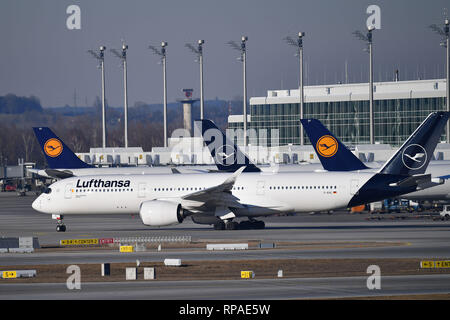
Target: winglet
58	155
227	155
332	153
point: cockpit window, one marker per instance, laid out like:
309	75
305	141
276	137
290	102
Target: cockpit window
48	190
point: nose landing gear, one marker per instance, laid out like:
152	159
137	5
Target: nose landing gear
60	227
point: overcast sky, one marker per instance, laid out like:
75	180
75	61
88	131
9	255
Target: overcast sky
40	56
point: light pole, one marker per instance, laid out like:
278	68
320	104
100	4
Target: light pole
123	56
101	58
243	58
162	54
199	52
299	45
368	39
445	43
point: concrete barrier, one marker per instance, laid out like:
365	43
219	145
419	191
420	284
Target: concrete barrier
130	273
172	262
149	273
21	250
267	245
227	246
19	242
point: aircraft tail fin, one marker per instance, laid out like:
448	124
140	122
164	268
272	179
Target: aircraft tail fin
226	154
57	154
332	153
413	156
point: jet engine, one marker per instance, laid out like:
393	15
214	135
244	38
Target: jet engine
160	213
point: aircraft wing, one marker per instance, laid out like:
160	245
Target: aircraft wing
217	196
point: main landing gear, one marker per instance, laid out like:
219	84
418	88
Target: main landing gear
243	225
60	227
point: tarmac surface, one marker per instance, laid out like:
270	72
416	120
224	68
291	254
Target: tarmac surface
407	238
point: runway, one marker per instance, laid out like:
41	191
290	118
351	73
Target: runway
254	289
418	238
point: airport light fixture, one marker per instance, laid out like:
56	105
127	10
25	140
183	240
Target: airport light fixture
368	39
123	56
445	43
100	56
299	45
242	48
199	52
162	53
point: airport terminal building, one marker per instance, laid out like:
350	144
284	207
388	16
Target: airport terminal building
399	107
274	126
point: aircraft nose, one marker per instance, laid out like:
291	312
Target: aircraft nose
36	205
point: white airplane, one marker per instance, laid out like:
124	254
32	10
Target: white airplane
64	163
218	198
344	160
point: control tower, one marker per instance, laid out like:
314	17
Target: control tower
187	109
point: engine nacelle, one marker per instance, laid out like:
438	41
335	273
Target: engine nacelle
160	213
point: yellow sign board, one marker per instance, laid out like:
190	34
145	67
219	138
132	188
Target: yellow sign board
246	274
126	249
9	274
442	264
426	264
435	264
76	242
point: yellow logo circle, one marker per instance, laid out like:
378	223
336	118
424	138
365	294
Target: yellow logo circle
53	147
327	146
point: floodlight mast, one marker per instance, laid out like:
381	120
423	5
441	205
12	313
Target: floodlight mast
444	33
243	58
162	54
101	58
299	45
368	38
446	30
123	56
199	52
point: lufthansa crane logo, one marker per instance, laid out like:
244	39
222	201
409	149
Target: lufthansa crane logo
414	156
226	155
327	146
53	147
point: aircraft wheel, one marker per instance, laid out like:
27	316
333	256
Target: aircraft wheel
231	225
219	225
60	228
245	225
259	225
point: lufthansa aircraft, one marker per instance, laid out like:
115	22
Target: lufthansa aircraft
63	162
218	198
436	175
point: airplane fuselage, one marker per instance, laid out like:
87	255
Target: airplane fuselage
261	194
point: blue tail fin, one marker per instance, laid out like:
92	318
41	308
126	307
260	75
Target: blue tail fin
227	156
414	155
332	153
58	155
